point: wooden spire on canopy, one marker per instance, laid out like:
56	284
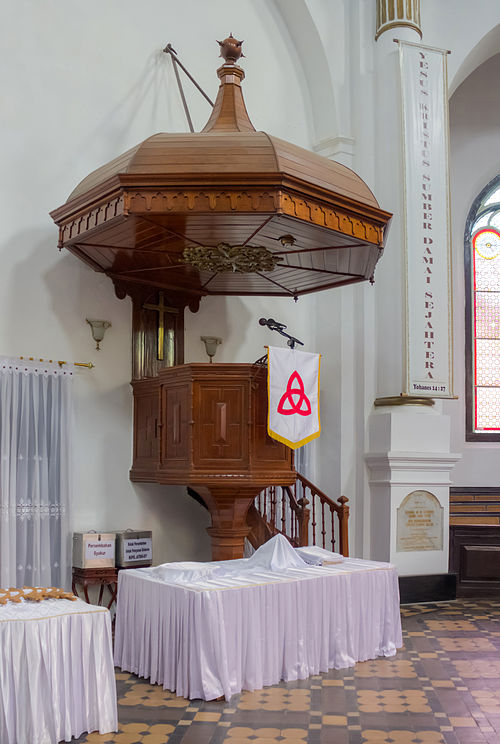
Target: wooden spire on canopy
228	210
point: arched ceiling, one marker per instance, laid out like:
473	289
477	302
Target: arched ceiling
314	65
487	47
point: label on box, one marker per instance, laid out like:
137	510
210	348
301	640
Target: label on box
103	549
138	549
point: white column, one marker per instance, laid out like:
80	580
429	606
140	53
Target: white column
408	452
408	445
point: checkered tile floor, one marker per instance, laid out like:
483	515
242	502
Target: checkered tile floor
444	686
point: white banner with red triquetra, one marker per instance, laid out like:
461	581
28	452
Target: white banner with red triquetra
293	396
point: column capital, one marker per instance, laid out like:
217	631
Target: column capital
392	14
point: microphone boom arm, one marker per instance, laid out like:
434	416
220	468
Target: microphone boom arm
274	325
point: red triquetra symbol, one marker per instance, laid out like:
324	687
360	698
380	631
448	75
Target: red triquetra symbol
296	406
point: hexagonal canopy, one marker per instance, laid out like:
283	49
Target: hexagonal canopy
226	211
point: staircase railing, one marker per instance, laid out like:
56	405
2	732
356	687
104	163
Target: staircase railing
304	514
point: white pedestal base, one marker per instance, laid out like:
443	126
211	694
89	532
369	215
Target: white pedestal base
408	451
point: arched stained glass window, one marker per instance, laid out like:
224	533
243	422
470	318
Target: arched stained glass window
482	315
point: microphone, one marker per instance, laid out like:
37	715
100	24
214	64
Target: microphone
272	324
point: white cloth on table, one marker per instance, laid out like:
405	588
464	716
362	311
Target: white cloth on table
275	555
56	671
317	556
220	634
187	572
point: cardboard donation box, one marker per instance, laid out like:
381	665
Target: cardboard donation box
134	548
94	549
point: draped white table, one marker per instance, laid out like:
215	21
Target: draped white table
218	636
56	672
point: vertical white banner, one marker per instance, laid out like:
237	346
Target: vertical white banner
293	396
429	351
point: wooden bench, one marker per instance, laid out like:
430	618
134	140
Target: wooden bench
475	540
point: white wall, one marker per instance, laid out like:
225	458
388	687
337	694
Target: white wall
470	31
81	83
475	160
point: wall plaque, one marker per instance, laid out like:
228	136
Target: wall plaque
419	523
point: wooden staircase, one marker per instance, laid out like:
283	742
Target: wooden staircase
303	514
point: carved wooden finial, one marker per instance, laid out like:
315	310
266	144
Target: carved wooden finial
229	113
230	49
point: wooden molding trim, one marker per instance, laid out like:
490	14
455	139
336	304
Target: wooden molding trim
185	201
89	219
309	210
165	201
403	400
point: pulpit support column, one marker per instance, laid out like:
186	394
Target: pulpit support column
228	506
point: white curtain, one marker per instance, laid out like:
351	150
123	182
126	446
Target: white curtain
35	473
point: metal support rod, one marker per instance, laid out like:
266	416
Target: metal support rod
183	97
170	50
89	365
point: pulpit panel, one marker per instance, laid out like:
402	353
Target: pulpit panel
266	452
146	429
221	435
176	417
213	430
146	418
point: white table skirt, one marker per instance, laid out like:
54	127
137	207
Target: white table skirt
56	672
227	634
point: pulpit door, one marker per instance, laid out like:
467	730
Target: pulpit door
221	428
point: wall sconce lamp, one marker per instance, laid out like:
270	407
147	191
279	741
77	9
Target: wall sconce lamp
211	344
98	328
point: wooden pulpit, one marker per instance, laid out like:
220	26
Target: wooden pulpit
205	426
224	211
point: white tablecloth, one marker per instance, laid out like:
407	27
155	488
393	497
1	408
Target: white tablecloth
224	634
56	671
